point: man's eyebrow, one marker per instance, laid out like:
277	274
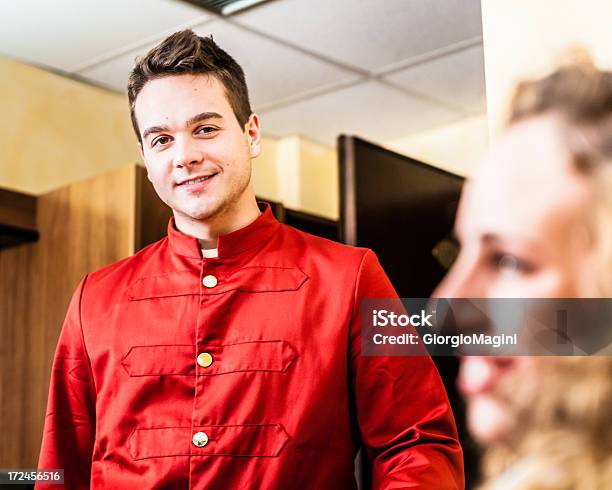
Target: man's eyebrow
203	116
153	129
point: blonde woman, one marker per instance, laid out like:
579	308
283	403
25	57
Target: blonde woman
536	221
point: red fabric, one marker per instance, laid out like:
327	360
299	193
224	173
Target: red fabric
288	398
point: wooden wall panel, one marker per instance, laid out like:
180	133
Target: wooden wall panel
15	317
152	214
83	227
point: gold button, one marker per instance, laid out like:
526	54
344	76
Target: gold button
209	281
200	439
205	359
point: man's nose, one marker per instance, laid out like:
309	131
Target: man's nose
186	152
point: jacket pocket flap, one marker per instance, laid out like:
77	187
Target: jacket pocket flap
261	355
160	360
254	440
258	279
253	279
178	283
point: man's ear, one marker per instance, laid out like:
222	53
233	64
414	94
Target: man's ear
253	133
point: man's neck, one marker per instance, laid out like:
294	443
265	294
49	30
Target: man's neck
209	230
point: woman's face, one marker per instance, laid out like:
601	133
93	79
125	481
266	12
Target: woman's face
522	229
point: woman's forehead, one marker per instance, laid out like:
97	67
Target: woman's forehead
526	183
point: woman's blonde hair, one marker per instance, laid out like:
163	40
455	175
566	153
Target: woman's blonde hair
562	435
581	96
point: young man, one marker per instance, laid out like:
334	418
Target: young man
228	353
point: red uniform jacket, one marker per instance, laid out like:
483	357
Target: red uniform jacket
240	372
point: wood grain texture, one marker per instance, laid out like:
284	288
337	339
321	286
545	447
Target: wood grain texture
83	227
15	319
151	213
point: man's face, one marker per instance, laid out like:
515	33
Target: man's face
197	156
522	232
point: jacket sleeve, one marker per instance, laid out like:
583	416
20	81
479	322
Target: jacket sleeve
69	428
405	420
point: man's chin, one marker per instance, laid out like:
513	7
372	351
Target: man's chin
203	212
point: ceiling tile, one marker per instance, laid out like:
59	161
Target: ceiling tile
113	74
370	110
366	34
273	71
65	34
457	79
280	73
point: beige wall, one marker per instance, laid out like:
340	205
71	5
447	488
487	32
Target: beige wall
319	176
457	147
301	174
287	172
56	130
527	39
265	180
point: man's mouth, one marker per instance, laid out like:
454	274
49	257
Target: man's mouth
195	181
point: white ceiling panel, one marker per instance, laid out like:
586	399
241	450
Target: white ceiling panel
457	79
369	109
114	73
273	71
368	34
277	75
65	34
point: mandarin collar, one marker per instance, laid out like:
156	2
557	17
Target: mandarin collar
227	245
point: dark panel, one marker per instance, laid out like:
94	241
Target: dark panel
404	210
17	218
401	208
11	236
278	210
310	223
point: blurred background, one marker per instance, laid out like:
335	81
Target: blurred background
373	114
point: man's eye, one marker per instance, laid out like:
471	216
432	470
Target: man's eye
162	140
206	130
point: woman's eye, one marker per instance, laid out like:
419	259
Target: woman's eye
512	263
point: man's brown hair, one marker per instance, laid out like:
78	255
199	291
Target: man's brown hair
186	53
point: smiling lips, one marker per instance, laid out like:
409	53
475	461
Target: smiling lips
196	183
